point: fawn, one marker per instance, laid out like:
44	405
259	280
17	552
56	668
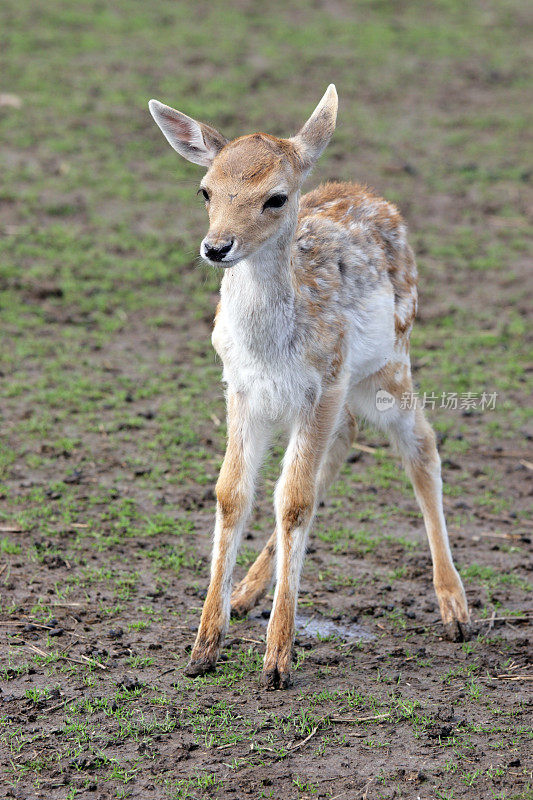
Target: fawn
317	304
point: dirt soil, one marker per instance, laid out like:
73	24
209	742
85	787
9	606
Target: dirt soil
113	428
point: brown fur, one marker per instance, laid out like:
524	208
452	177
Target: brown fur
230	496
395	378
352	203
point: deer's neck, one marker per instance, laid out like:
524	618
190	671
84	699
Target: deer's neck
257	295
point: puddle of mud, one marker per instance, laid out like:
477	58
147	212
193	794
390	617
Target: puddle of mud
320	628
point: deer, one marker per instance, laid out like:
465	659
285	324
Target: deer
317	303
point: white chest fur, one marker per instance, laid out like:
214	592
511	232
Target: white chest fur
258	340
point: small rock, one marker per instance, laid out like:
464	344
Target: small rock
130	683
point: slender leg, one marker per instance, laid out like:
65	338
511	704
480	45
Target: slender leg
422	464
415	440
258	580
296	497
247	441
339	447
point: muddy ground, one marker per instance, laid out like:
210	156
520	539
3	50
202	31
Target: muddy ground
113	414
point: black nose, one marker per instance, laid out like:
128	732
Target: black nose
218	253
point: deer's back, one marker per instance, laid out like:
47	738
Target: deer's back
351	251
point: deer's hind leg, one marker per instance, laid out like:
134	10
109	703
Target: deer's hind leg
258	580
415	440
422	464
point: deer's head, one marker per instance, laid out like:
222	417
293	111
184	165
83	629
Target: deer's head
252	183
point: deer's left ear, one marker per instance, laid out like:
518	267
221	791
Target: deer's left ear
193	140
312	139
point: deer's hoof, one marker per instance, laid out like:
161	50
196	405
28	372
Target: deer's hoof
456	631
274	679
199	667
239	610
243	599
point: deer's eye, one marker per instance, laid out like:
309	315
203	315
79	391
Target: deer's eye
276	201
204	193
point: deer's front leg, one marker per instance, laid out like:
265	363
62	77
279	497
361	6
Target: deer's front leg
296	497
247	441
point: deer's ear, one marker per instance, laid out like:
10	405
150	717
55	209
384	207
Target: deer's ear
193	140
312	139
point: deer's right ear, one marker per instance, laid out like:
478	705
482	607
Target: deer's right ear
312	139
193	140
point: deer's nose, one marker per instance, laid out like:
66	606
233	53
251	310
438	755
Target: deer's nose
218	251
